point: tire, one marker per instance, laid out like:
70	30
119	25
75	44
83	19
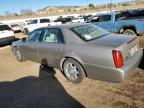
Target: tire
73	71
129	32
18	55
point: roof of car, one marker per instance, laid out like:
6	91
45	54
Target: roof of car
67	25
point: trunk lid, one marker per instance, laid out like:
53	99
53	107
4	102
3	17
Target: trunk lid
112	40
127	44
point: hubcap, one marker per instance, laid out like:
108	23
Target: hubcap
72	71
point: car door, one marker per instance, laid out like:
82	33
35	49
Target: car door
30	52
51	47
105	21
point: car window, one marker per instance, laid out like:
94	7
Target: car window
119	17
35	35
53	36
104	18
139	13
89	32
4	27
44	20
35	21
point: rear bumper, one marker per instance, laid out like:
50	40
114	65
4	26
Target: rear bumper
114	74
132	65
7	40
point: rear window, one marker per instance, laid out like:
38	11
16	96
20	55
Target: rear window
89	32
4	27
105	18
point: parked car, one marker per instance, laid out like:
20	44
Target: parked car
63	20
81	50
6	34
118	22
78	20
36	23
15	27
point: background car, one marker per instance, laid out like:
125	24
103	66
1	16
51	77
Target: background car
37	23
81	50
6	34
15	27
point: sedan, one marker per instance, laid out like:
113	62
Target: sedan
81	50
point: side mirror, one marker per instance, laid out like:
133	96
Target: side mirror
23	39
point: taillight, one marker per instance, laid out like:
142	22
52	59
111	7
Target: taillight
118	59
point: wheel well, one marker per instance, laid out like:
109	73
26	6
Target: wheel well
14	48
65	58
128	27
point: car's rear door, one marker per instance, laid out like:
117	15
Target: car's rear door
29	49
51	47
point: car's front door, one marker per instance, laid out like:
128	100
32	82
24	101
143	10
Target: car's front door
30	52
51	47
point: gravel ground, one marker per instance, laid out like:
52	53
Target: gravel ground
24	85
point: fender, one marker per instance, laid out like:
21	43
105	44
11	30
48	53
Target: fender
73	56
133	27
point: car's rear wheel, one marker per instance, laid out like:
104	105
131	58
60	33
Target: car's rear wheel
73	71
18	55
129	32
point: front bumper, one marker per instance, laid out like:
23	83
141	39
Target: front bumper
114	74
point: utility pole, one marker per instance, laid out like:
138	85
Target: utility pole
110	6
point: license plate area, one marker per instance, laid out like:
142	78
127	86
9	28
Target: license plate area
133	50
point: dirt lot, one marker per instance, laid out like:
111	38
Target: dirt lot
24	85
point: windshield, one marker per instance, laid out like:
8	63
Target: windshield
89	32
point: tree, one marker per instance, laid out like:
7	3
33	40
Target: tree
91	6
26	12
16	14
7	13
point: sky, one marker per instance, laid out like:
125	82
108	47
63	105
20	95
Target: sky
17	5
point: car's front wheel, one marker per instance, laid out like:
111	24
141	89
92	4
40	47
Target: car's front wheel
18	55
73	71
